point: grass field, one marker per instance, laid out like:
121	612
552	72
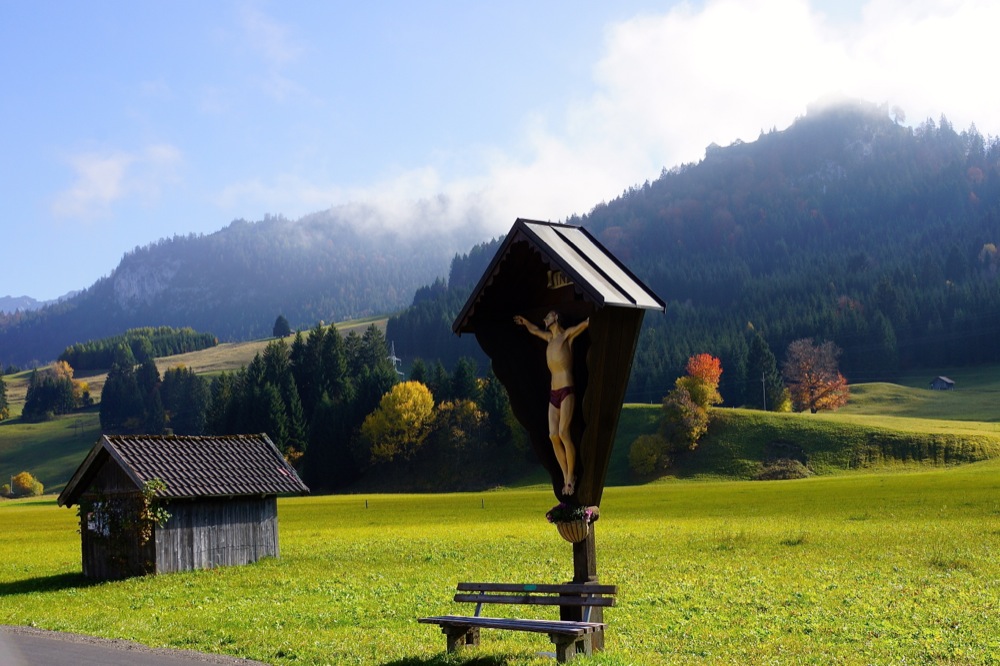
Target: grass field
891	557
857	569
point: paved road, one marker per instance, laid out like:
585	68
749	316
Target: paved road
24	646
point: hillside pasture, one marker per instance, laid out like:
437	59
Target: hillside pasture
230	356
856	569
51	450
740	441
975	398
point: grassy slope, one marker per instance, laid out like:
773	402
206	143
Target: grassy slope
884	425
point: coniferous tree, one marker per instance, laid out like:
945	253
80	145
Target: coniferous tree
496	404
418	371
297	426
219	414
153	418
335	377
281	327
464	385
121	401
50	392
4	405
274	417
768	389
154	415
439	382
186	397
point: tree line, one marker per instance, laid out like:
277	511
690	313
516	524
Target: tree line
142	343
335	407
51	392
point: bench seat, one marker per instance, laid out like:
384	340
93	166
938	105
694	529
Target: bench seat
564	627
571	637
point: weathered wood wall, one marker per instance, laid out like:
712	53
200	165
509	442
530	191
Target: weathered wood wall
100	563
99	560
207	533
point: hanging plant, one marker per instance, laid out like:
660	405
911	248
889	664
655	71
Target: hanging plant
572	521
124	522
152	512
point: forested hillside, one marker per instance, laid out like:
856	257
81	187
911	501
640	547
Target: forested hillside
236	281
847	226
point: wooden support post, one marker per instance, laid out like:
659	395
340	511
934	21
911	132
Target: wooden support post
585	571
585	559
459	637
568	647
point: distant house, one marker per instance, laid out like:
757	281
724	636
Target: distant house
220	494
942	384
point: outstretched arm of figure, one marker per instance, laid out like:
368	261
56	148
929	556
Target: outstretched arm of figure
534	330
576	330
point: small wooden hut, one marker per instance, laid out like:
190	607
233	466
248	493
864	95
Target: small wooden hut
942	384
220	494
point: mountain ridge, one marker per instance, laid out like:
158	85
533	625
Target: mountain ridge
846	226
236	281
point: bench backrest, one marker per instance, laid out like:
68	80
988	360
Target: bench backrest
569	594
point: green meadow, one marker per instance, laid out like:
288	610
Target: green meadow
890	554
851	569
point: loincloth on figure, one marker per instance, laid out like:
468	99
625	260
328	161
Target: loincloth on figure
556	396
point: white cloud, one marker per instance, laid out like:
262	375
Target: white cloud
666	86
669	85
269	38
273	42
102	180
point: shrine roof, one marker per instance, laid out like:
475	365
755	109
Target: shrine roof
593	270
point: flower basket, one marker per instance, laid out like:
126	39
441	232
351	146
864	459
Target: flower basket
574	531
573	522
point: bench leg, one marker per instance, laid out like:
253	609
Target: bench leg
459	637
568	647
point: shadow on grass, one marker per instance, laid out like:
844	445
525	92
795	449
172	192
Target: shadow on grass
46	584
451	660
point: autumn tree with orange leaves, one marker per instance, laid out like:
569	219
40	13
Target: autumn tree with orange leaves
812	375
702	380
685	416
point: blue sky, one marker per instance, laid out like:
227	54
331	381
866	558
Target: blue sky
125	122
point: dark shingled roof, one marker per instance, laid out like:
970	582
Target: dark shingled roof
228	466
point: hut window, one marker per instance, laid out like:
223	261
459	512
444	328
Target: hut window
97	519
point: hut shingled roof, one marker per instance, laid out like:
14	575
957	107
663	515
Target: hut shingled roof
191	467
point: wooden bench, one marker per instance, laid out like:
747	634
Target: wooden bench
570	637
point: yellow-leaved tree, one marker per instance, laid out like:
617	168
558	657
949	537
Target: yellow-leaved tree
25	485
400	424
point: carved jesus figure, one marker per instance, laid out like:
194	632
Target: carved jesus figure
562	400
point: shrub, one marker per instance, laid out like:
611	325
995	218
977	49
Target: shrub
782	469
646	454
684	421
5	490
26	485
